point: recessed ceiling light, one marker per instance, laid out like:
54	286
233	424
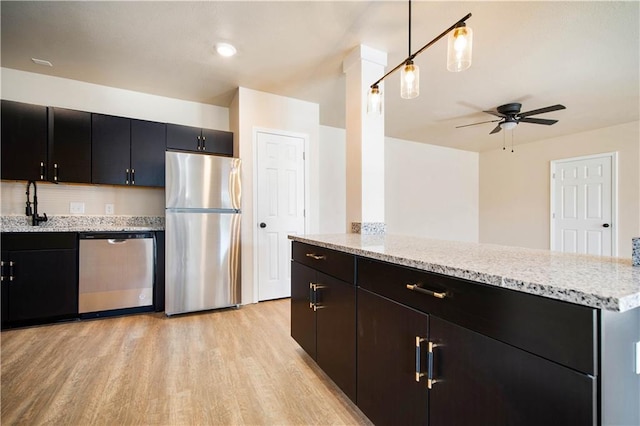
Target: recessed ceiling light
42	62
225	49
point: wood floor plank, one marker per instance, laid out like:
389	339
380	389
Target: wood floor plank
225	367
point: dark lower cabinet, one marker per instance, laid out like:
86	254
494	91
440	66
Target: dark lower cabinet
323	323
24	141
39	278
479	380
388	393
303	317
158	290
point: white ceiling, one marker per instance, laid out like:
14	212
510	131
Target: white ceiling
584	55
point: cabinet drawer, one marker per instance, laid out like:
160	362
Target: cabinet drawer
559	331
39	240
331	262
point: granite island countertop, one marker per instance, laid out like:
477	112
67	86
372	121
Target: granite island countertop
75	223
607	283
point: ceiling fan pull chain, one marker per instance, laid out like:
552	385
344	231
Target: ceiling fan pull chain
512	132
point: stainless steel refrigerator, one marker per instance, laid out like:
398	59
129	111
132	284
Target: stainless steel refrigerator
202	265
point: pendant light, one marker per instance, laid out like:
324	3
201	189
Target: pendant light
458	59
459	49
410	74
374	101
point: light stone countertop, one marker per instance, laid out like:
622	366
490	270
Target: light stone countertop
600	282
76	223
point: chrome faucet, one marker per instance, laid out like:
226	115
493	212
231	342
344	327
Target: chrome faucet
35	218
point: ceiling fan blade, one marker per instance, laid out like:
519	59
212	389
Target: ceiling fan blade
496	130
538	121
474	124
542	110
496	113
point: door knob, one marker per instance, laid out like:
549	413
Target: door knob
606	225
263	225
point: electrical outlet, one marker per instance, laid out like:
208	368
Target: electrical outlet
108	209
76	208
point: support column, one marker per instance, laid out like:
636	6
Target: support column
365	142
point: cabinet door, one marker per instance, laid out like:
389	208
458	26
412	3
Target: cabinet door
484	381
387	389
4	287
158	290
24	141
183	137
69	146
217	142
303	318
148	146
110	145
336	331
45	285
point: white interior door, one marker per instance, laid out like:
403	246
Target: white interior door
280	199
582	205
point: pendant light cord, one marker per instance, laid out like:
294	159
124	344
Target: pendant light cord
409	55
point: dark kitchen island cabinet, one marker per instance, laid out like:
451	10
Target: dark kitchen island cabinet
442	348
24	141
209	141
323	311
39	277
127	151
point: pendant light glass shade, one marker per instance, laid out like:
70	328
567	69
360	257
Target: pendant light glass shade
374	101
460	49
410	81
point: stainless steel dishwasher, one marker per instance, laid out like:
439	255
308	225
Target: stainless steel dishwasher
116	271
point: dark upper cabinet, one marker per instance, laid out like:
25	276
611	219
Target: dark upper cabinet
147	153
39	277
208	141
24	141
110	144
127	151
69	158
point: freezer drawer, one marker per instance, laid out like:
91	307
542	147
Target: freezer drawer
202	261
115	272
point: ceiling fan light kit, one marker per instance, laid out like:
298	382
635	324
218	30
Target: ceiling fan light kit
458	59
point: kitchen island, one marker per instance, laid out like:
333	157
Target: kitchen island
461	333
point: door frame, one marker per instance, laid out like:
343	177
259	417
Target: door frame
305	137
614	196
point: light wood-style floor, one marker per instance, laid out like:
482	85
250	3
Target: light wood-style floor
225	367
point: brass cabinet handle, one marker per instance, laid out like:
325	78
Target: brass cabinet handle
419	372
430	380
416	287
316	256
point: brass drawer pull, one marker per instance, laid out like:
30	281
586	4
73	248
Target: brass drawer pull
416	287
316	256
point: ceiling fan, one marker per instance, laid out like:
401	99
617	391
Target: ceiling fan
510	116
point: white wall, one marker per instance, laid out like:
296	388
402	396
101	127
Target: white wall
53	91
515	187
251	111
332	180
430	191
